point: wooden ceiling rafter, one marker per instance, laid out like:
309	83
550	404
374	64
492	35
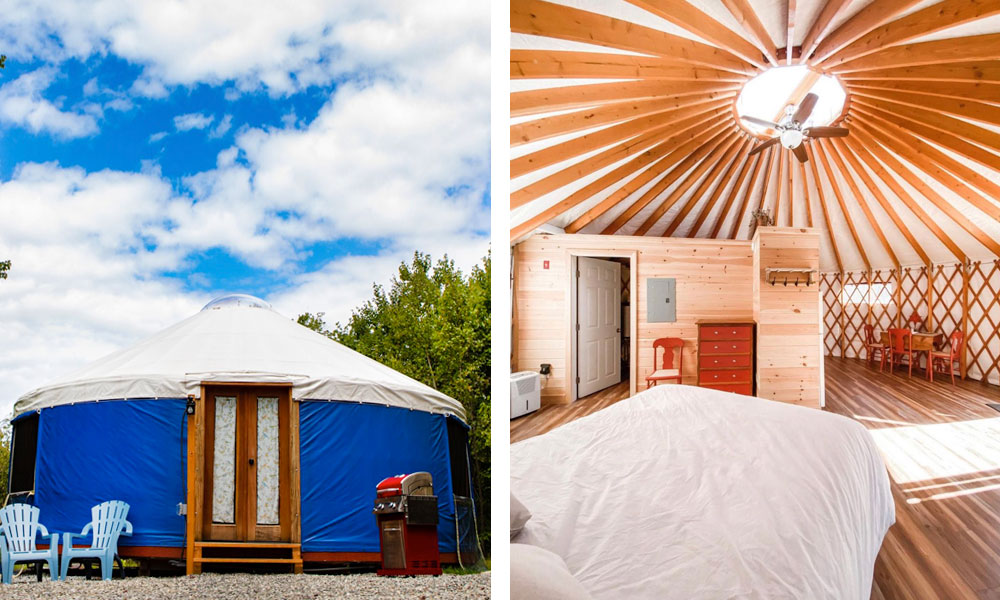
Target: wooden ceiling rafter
750	22
884	175
790	173
537	17
687	182
686	16
656	155
533	102
963	109
603	159
676	154
868	181
681	163
936	17
763	157
818	151
970	49
588	142
724	182
945	169
790	31
933	125
720	177
962	90
826	214
731	197
781	184
925	190
982	71
865	20
954	143
558	64
608	114
833	152
805	192
830	10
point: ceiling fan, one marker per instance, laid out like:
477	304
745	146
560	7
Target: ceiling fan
791	134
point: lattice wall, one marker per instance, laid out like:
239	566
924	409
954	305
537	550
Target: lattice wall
957	300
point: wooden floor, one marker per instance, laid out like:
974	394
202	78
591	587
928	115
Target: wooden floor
552	416
941	445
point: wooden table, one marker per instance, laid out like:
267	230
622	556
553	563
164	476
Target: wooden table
921	341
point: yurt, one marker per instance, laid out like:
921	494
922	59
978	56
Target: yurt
235	435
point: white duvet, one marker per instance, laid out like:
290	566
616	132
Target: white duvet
684	492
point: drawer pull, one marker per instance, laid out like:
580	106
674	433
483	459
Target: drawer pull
734	332
716	362
734	346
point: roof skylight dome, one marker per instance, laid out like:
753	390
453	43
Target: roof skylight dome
767	95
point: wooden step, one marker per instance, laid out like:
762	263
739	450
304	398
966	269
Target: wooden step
246	545
198	559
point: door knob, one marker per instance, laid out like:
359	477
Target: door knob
251	462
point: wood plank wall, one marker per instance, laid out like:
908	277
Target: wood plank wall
788	317
713	282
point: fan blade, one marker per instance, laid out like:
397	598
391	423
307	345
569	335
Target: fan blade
800	153
822	132
805	108
764	145
760	122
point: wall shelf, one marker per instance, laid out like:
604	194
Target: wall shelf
785	276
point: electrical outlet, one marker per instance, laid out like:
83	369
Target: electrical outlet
182	509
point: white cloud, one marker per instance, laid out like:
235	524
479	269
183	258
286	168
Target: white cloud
159	135
22	104
224	125
253	43
192	121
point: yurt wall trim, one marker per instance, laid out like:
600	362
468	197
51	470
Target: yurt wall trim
963	298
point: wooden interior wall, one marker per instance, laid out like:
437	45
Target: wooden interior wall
788	317
713	282
966	299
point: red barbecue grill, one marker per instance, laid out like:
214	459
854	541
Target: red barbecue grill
407	516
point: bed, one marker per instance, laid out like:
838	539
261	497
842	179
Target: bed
686	492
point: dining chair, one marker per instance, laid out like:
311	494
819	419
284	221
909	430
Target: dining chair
671	347
948	357
873	345
900	346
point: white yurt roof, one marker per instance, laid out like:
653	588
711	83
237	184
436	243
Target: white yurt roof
239	338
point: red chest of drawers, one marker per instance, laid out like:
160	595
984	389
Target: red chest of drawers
725	357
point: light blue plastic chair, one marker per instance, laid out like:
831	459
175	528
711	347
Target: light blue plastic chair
19	525
106	525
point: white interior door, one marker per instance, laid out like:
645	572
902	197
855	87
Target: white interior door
598	318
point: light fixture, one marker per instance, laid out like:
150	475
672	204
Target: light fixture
189	408
791	138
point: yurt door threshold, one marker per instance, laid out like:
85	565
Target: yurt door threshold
243	476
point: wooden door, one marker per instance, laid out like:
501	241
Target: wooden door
598	325
247	479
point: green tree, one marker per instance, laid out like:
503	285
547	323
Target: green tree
433	324
4	267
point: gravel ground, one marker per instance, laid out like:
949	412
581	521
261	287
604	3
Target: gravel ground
242	586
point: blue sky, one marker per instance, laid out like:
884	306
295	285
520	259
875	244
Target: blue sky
156	155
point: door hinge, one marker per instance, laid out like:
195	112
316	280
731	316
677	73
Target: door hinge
578	380
578	327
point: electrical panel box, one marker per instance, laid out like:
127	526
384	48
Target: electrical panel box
661	300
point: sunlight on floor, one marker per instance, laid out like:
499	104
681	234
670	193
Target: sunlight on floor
922	452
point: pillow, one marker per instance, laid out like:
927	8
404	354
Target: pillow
537	574
519	515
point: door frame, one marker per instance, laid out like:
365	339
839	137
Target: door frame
196	446
570	259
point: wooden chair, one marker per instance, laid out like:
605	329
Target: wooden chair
947	359
18	526
873	345
670	346
900	346
106	525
